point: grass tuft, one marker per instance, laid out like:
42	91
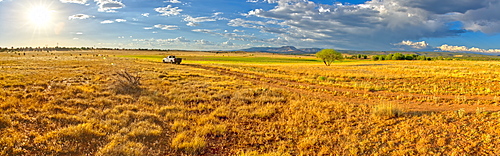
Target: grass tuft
188	144
5	121
387	111
128	148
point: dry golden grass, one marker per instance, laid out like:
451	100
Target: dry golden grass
66	104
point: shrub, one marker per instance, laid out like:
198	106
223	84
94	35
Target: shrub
127	83
322	78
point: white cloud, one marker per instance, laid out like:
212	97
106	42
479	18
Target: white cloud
236	30
218	13
145	14
198	19
120	20
72	1
193	21
79	16
168	11
169	42
238	22
321	9
446	47
413	45
204	42
109	5
182	43
192	24
172	1
148	28
228	43
166	27
107	22
231	36
178	39
203	30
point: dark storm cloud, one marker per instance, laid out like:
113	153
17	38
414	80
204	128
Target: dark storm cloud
446	6
376	24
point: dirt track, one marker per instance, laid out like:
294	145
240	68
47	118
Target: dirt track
410	102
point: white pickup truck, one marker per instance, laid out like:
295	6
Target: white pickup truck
172	59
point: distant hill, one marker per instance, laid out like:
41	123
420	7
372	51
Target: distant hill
282	50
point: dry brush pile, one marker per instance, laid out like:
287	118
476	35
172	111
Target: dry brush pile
112	106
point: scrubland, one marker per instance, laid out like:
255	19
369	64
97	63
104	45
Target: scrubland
128	103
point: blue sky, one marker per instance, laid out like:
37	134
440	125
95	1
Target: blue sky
433	25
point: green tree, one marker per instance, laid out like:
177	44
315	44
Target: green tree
389	56
398	56
329	56
411	57
421	57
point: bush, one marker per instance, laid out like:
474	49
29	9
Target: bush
127	84
322	78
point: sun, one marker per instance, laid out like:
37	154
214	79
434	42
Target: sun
39	16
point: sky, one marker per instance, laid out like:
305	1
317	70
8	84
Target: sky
382	25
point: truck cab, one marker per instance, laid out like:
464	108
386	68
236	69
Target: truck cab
172	59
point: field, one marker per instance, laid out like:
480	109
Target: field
129	103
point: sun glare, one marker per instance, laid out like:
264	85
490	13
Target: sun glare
39	16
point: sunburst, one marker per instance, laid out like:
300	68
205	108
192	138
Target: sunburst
39	16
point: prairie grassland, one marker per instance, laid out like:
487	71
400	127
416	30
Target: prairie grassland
70	104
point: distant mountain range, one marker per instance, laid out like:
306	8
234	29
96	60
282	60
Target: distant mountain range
283	50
